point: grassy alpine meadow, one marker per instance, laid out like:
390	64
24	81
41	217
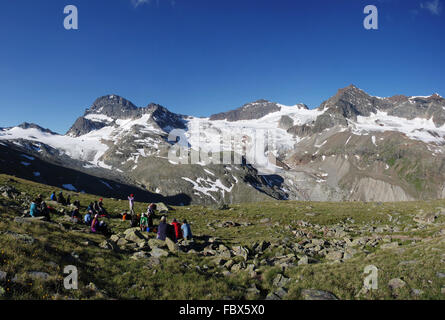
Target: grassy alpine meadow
268	250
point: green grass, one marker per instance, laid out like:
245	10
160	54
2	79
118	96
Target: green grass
117	276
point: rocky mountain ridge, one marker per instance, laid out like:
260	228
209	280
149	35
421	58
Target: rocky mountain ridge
352	147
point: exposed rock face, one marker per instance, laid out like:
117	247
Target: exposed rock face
249	111
353	147
285	123
83	126
368	189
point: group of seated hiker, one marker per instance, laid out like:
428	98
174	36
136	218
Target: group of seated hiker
91	218
174	230
39	208
97	208
60	198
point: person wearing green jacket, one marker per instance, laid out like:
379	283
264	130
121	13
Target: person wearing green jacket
144	222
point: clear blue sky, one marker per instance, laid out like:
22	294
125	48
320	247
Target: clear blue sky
200	57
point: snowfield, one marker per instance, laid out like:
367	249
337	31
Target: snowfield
416	128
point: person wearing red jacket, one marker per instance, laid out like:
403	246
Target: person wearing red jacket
178	231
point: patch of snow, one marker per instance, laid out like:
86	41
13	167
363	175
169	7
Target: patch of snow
25	163
27	157
36	174
69	187
106	184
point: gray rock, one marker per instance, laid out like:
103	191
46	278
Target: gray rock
272	296
3	275
416	292
21	237
135	236
280	281
38	275
158	252
396	283
334	255
110	245
391	245
281	292
241	251
426	218
156	243
313	294
139	255
173	247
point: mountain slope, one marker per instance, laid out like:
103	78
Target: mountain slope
352	147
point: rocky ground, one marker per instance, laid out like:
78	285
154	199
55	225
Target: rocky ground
270	250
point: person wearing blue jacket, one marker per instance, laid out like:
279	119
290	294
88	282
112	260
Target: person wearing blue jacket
87	218
186	230
53	196
34	210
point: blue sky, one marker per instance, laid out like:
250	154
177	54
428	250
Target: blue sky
200	57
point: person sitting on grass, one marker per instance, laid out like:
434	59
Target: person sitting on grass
53	196
44	210
124	216
68	200
95	223
76	217
61	198
87	219
102	211
162	229
76	203
186	230
34	209
91	209
171	232
144	222
178	232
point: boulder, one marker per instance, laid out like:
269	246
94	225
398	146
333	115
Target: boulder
38	275
21	237
153	262
396	283
162	207
28	220
280	281
3	275
139	255
173	247
425	218
135	236
158	252
129	230
391	245
241	251
313	294
110	245
334	255
156	243
122	242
